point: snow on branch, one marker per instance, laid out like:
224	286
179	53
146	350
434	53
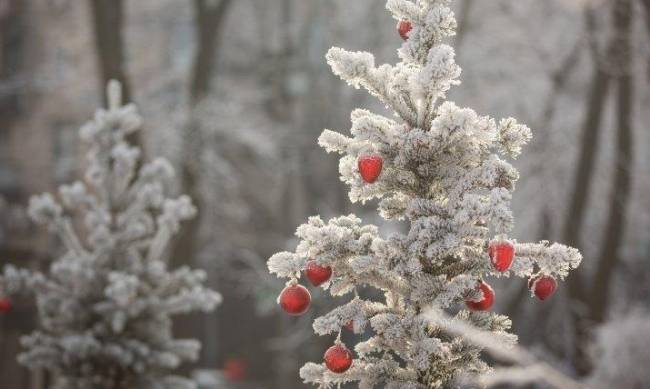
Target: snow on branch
527	367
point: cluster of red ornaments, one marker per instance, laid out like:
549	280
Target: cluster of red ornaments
295	300
501	254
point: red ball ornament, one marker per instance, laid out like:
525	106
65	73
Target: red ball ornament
235	369
501	254
5	305
486	302
317	274
370	167
542	286
404	27
350	326
295	299
338	358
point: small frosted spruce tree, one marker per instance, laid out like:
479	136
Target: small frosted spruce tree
106	302
440	167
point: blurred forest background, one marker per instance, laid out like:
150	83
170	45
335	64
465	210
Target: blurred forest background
236	92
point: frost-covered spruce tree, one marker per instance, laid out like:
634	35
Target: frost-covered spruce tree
440	167
105	304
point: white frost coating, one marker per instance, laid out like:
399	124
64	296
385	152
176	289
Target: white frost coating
283	265
105	304
438	75
445	170
512	136
352	312
350	66
404	10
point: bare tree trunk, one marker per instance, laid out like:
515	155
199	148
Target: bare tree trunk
282	108
595	301
589	142
209	20
12	42
108	22
579	197
646	6
621	182
559	78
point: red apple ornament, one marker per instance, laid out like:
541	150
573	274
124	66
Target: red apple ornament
317	274
338	358
542	286
404	27
501	252
235	369
370	167
486	301
295	299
